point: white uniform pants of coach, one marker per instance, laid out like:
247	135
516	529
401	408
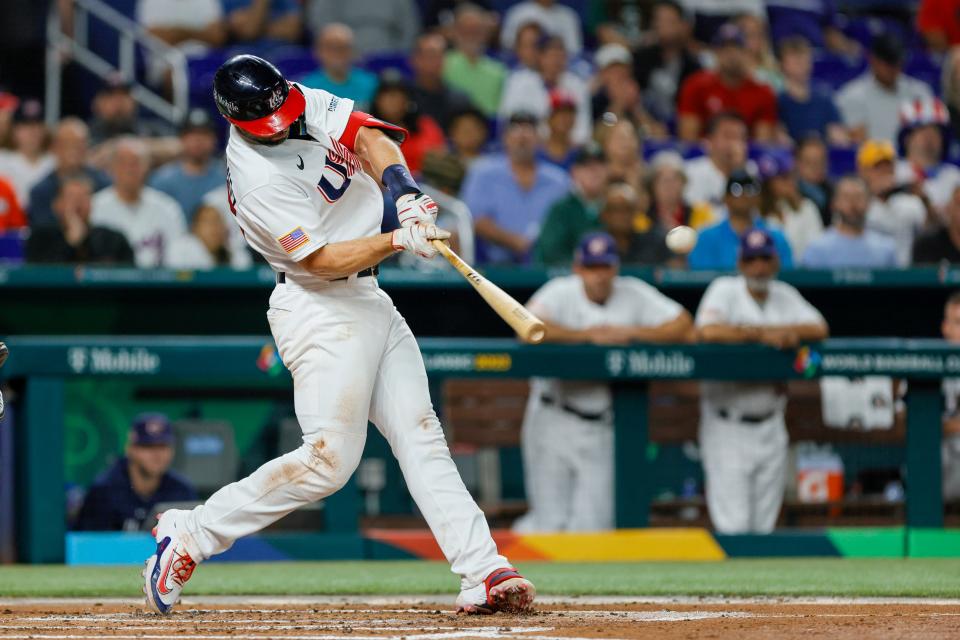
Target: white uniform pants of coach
568	471
352	358
745	468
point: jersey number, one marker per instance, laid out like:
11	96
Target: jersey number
336	164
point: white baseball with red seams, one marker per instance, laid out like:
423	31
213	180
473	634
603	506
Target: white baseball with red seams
351	355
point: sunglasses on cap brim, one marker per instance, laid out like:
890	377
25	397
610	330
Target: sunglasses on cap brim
738	190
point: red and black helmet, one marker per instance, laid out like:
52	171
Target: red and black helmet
253	94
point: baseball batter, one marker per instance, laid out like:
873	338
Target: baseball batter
300	166
567	437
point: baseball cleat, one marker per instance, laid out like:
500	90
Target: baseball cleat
502	590
168	569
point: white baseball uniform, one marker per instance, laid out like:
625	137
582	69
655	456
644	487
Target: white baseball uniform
950	448
567	435
351	355
743	436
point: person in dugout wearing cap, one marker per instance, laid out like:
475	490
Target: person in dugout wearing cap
123	496
567	436
743	435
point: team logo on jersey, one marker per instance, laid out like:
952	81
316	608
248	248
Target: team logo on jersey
300	164
334	103
275	99
294	240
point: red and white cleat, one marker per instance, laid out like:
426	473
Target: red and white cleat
168	569
502	590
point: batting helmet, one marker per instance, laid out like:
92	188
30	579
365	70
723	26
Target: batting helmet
253	94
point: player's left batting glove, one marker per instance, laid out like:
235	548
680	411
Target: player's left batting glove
418	239
416	208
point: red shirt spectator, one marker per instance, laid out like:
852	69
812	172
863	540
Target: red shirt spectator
728	88
939	23
427	135
11	215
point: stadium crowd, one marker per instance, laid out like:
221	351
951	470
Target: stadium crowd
547	121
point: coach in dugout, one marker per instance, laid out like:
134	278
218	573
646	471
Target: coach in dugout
567	437
743	436
123	497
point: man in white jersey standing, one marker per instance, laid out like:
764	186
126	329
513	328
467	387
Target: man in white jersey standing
743	436
300	163
568	427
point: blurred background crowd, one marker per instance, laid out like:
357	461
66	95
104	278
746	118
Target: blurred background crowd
829	122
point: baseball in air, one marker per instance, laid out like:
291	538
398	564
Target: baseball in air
681	239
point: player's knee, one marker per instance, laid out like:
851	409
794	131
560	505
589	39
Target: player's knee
333	457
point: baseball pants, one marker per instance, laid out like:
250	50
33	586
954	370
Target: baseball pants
353	359
745	470
568	471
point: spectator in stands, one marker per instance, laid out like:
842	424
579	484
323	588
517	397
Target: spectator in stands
150	220
428	88
662	66
717	245
666	184
892	211
393	103
70	151
526	48
870	104
938	21
192	26
639	240
805	109
378	26
577	213
333	50
438	15
529	91
760	59
12	216
558	147
743	436
198	170
621	146
509	194
848	243
728	87
207	245
813	180
554	19
941	244
782	204
469	132
726	147
8	106
29	161
618	93
924	136
74	240
709	16
567	436
218	199
950	448
815	21
467	67
265	22
123	497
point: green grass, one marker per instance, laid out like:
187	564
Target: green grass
743	577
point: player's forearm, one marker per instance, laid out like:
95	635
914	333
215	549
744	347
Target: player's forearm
559	333
809	332
341	259
728	333
677	330
378	150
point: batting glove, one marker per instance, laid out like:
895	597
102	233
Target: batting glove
416	208
418	239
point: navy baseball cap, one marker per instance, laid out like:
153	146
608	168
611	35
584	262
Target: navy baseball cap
774	163
757	243
151	429
597	249
729	33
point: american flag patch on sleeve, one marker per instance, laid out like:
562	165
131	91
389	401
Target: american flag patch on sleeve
294	240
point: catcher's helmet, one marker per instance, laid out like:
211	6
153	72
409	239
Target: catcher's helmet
253	94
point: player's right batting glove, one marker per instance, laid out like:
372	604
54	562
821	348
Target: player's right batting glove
417	238
416	208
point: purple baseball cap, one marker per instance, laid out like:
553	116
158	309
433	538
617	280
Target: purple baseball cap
774	163
729	33
151	429
597	249
757	243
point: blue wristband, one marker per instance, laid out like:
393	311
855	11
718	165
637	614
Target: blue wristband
398	181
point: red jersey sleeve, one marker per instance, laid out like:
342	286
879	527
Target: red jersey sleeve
359	119
689	102
931	16
766	105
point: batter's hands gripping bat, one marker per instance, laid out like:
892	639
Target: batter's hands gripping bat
528	326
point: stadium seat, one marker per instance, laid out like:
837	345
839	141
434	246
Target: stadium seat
206	453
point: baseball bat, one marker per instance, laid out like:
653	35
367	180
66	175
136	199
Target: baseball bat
528	326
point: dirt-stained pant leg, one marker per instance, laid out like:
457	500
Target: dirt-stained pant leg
331	340
402	411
